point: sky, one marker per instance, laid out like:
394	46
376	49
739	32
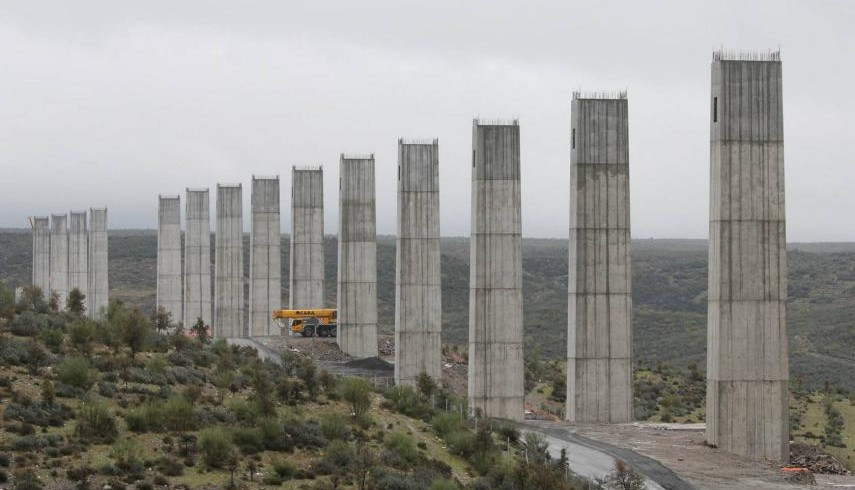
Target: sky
108	103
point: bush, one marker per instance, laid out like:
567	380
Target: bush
402	445
249	440
96	423
334	426
77	373
41	414
52	338
216	446
283	468
178	414
446	423
128	453
148	417
170	466
405	400
461	442
357	392
338	457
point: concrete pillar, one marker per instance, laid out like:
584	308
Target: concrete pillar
306	287
495	275
265	259
747	370
197	257
599	329
99	286
418	298
78	254
41	254
357	257
58	258
169	275
228	264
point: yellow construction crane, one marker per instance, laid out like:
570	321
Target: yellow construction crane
308	322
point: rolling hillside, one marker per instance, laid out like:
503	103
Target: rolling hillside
669	288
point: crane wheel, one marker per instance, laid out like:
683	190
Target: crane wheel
323	331
309	331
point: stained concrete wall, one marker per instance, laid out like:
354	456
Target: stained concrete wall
197	257
78	254
59	258
41	254
169	271
495	275
418	298
599	330
99	286
229	309
357	257
747	370
265	259
306	287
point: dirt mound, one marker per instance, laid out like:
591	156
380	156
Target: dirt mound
816	460
371	363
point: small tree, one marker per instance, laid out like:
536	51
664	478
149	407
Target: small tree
625	478
426	385
53	301
161	319
82	333
48	393
76	372
74	303
357	393
216	446
200	331
135	330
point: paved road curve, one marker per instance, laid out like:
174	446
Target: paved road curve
593	459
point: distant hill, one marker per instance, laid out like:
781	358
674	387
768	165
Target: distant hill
669	291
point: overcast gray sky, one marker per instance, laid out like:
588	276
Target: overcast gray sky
112	102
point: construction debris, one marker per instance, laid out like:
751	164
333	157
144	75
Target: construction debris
816	460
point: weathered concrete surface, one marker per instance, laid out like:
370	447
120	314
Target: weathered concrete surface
78	254
229	309
418	306
58	258
169	275
357	257
265	259
747	370
495	274
306	287
41	254
197	257
599	329
99	285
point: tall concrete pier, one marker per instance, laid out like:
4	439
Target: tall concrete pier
599	329
169	275
58	258
197	257
99	285
78	254
306	287
357	257
265	258
41	254
495	273
747	370
418	298
228	264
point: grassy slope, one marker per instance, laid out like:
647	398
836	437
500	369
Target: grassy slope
669	288
813	422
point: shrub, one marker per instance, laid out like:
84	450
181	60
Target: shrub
178	414
402	445
52	338
96	423
41	414
248	439
446	423
77	373
334	426
81	334
357	392
128	453
461	442
216	446
407	401
338	456
283	468
170	466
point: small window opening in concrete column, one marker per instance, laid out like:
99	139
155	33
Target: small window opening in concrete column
573	139
715	109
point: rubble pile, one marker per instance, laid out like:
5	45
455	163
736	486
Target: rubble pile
816	460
